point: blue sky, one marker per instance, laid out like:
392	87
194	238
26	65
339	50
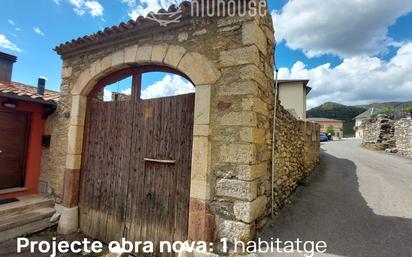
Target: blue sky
333	43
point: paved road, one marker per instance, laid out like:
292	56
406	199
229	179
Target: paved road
358	201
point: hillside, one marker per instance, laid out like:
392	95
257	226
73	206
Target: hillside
347	113
339	112
336	111
392	105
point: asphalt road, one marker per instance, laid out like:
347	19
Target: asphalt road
358	201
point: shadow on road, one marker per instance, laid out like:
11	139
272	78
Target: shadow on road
330	207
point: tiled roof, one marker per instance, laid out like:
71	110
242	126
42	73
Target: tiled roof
367	113
18	89
140	22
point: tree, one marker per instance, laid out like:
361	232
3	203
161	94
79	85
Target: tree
330	130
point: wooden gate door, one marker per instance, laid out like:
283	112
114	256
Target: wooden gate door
13	147
136	169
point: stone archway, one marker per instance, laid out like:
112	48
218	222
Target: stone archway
177	58
230	61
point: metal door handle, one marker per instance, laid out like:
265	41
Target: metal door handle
160	161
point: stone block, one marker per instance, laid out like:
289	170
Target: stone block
253	34
174	55
78	105
254	73
200	185
235	230
201	221
250	211
202	105
240	56
199	69
239	88
83	79
252	135
201	130
159	53
118	58
237	153
237	189
144	53
255	104
245	118
73	161
69	220
251	172
106	62
95	68
75	139
130	54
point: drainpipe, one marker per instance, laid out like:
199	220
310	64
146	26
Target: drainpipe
273	141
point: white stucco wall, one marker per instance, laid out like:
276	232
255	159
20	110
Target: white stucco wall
292	95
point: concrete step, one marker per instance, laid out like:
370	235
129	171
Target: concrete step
26	222
25	204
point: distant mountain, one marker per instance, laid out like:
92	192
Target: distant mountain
337	111
398	106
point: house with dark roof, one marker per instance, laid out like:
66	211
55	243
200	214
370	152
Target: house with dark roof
361	118
23	113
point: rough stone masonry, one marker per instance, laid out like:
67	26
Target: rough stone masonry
403	136
230	61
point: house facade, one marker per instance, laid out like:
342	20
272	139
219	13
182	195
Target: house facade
23	113
361	118
327	124
292	96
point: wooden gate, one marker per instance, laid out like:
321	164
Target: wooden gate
136	168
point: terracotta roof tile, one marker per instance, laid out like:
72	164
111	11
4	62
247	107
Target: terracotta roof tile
20	89
184	7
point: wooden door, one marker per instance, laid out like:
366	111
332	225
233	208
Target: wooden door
136	169
13	147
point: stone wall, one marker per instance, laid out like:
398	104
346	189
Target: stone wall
378	133
297	151
230	60
53	162
403	136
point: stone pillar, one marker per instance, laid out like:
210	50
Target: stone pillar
241	129
71	189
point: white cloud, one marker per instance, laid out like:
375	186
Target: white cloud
170	85
81	7
343	28
7	44
143	7
56	2
18	29
107	95
11	22
358	80
38	31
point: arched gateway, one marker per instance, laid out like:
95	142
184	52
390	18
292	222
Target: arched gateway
185	167
136	163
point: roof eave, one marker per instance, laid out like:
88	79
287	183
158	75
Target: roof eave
50	103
